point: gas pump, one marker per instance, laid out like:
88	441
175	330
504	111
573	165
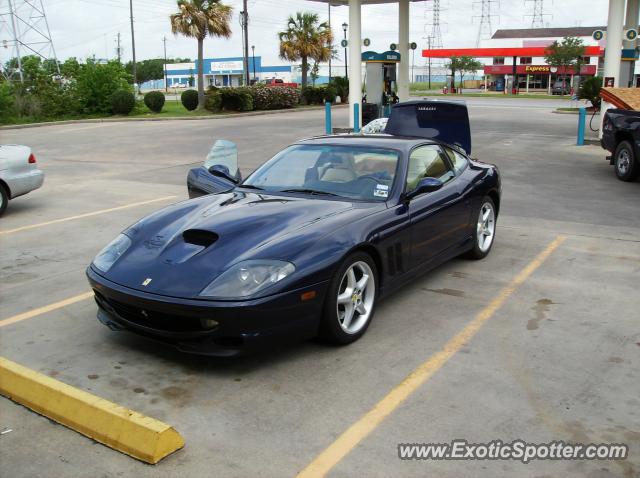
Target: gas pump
380	84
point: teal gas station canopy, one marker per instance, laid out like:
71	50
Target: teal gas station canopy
386	57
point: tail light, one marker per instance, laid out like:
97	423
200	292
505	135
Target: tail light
32	159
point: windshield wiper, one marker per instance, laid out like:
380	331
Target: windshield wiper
250	186
309	191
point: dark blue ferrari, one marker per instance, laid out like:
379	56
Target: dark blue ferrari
308	243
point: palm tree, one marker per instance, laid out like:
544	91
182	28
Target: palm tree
305	38
197	19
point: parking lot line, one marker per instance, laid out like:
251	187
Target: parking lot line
47	308
359	430
88	214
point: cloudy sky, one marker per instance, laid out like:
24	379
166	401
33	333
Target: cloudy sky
82	28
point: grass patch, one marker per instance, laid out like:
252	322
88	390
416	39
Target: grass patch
171	108
424	86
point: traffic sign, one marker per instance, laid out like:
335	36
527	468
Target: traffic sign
393	47
344	43
366	42
413	45
598	35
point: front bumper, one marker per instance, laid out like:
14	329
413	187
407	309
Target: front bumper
241	326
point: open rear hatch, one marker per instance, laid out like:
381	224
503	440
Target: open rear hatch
445	121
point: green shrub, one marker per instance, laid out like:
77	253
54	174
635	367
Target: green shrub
341	84
26	104
154	101
189	99
7	100
122	102
330	94
236	99
96	83
272	98
317	95
590	90
213	102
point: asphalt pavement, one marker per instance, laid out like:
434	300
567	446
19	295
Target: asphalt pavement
552	355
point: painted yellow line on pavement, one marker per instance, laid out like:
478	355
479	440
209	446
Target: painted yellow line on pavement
349	439
47	308
88	214
125	430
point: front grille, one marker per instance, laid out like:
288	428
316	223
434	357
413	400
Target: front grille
153	319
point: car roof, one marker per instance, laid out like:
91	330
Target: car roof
404	143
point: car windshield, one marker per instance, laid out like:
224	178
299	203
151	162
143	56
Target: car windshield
360	173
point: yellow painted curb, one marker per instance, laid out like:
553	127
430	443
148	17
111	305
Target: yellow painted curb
129	432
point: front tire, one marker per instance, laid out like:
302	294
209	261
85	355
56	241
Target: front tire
351	300
4	199
625	162
485	230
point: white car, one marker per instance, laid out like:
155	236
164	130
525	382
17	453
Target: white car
19	173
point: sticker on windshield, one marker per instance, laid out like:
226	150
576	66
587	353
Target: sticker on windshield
381	191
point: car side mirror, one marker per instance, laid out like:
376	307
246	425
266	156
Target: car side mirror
223	172
425	185
222	161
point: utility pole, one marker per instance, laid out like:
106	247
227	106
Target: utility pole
119	49
244	21
133	44
429	46
166	87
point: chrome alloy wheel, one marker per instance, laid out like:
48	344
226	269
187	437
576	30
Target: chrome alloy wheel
486	227
623	162
356	295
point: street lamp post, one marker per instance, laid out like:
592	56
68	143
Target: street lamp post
253	54
344	29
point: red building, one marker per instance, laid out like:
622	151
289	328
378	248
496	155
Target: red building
520	53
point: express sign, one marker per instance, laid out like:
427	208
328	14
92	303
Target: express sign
537	69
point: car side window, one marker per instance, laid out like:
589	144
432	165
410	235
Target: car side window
427	162
458	161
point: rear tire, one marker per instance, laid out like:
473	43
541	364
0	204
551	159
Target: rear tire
4	199
485	230
625	162
351	300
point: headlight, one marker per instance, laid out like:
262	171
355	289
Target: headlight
111	253
247	278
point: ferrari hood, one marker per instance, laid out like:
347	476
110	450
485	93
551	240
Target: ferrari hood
179	250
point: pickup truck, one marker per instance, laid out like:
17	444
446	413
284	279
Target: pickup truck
279	82
621	137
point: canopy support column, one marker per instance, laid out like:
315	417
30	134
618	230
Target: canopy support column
355	60
403	49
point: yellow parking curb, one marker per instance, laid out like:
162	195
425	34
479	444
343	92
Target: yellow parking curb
129	432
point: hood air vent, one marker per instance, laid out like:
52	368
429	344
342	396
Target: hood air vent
199	237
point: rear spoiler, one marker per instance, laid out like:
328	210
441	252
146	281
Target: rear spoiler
445	121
